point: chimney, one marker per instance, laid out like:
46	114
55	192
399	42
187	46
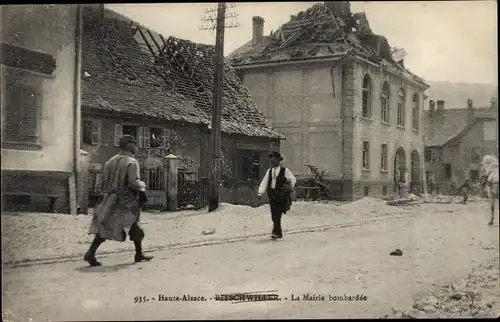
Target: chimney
470	110
432	106
342	8
258	30
93	15
440	106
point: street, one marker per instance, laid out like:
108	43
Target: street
437	247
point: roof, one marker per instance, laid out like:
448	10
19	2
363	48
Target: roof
120	75
322	31
455	122
191	66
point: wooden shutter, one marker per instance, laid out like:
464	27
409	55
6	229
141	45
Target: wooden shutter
29	129
118	134
140	129
12	116
147	137
96	132
22	110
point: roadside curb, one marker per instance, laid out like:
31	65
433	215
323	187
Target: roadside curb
207	242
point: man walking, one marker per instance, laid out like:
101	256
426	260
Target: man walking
278	182
119	209
465	190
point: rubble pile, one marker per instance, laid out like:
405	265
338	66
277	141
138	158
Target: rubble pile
475	296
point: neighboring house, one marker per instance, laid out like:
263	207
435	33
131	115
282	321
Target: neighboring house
40	109
134	81
456	139
341	96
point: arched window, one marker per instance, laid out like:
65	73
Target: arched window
415	113
367	94
401	107
384	100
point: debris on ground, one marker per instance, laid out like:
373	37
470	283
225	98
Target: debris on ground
474	296
396	252
208	232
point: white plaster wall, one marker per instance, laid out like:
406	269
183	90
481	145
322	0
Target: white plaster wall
49	29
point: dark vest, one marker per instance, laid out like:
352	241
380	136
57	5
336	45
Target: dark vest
280	180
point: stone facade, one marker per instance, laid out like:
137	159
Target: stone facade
305	101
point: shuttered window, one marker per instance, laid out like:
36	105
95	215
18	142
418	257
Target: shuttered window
22	111
118	134
91	132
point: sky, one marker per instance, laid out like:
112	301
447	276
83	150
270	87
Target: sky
453	41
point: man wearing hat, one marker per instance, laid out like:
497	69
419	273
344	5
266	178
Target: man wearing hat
278	182
119	209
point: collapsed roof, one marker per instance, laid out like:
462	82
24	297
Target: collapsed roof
130	69
328	29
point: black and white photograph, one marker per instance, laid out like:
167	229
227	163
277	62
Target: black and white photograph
249	160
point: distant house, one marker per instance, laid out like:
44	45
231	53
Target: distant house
40	110
342	97
456	139
134	81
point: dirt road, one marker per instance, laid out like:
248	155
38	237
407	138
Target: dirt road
437	246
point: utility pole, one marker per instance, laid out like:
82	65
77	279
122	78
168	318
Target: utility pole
215	132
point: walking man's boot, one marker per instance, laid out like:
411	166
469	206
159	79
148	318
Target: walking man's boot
90	255
139	256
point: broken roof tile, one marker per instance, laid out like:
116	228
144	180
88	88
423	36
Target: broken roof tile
174	86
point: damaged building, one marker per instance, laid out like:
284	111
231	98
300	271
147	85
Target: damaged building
456	139
136	81
341	96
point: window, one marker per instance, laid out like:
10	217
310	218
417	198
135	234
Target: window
91	132
474	175
384	103
367	191
366	155
428	155
401	107
256	166
121	130
249	165
433	156
367	88
22	111
144	137
415	113
384	157
447	171
384	190
156	139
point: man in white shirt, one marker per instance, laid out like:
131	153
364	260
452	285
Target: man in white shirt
278	182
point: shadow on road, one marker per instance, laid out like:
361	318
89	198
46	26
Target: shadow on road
103	269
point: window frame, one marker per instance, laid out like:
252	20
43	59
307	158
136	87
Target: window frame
93	123
427	155
365	162
384	157
415	113
366	96
160	138
385	110
401	115
30	80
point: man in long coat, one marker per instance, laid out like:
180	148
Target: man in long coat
278	182
119	209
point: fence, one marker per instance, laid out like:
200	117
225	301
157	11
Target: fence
193	190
